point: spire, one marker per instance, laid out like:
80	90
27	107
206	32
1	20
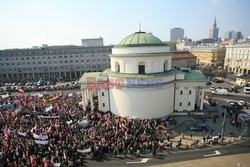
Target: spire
215	19
139	27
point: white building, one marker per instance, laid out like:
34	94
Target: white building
176	33
141	82
237	58
65	61
92	42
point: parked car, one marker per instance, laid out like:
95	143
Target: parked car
220	92
200	127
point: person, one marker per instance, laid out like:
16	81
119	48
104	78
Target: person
182	135
212	132
191	136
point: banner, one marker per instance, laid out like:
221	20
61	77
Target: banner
17	110
41	142
84	151
71	94
56	164
48	108
40	137
69	122
5	96
48	117
22	134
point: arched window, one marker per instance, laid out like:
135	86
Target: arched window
117	67
165	66
141	68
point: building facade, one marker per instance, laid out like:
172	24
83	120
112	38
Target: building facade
183	60
238	58
52	62
214	31
92	42
209	55
141	83
176	33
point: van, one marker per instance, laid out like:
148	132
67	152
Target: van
220	92
247	90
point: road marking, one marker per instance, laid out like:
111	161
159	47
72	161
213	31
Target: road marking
143	161
216	152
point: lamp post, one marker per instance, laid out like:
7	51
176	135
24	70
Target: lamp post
223	126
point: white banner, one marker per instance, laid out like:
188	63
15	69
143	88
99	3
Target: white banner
41	142
40	137
5	96
48	108
56	164
17	110
71	94
22	134
85	150
69	122
48	117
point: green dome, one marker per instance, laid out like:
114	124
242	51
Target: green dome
140	39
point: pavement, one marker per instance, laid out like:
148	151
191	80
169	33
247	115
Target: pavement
239	160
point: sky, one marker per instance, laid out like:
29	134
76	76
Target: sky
27	23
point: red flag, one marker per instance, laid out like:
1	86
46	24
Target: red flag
5	146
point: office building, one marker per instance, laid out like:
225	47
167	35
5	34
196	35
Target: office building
52	62
176	33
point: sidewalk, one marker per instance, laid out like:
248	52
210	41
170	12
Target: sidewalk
239	160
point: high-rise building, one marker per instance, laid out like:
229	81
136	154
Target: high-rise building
237	35
214	31
228	35
176	33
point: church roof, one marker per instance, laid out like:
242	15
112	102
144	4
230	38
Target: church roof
140	39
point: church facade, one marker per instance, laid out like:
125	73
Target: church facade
141	82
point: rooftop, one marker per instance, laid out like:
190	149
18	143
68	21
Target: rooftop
140	39
182	55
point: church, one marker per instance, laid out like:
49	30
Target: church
141	83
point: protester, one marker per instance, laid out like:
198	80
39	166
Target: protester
44	130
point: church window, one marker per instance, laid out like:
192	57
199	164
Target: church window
141	68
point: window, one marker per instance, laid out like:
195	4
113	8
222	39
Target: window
180	103
141	68
165	66
117	67
103	104
181	92
102	93
190	92
189	103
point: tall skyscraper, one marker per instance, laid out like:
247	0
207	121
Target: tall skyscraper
228	35
176	33
214	31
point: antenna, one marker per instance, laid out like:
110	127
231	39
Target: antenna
139	27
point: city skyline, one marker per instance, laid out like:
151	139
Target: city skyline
33	23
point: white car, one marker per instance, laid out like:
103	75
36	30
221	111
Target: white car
247	90
220	92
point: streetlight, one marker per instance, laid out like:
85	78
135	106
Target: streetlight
223	125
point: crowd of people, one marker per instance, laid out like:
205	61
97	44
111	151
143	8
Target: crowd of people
53	130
